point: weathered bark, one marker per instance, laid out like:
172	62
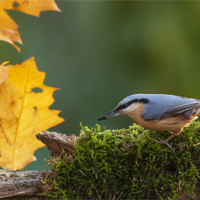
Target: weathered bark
20	184
57	142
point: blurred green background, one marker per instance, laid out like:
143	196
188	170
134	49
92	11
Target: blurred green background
99	52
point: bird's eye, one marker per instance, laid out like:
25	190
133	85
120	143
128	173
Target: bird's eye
121	107
125	105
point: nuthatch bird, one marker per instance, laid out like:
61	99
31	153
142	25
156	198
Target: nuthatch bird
158	112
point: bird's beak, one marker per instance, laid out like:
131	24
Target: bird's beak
108	115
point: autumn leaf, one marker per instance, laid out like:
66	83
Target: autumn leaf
8	28
4	71
24	105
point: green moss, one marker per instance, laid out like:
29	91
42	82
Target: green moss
127	164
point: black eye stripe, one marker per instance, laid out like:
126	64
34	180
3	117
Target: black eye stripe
143	100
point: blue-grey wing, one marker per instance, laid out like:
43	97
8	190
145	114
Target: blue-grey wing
163	106
177	109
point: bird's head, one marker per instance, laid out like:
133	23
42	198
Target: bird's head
127	105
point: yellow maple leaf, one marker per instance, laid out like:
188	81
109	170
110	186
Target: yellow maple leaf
8	28
24	113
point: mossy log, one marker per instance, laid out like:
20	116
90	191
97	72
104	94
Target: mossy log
127	164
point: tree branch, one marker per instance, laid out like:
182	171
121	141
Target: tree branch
20	184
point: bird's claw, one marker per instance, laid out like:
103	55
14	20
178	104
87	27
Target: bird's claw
164	142
160	141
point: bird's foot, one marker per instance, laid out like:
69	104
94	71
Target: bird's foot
164	142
